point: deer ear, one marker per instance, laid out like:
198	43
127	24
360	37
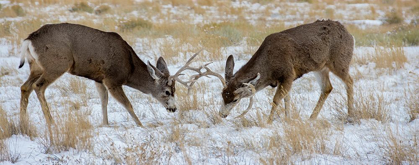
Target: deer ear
162	66
154	73
229	67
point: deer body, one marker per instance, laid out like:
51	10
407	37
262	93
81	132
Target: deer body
283	57
100	56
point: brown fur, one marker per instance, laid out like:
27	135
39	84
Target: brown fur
97	55
285	56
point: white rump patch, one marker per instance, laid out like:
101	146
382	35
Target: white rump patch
28	51
32	51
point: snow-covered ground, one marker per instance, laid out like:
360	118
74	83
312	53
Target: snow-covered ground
198	136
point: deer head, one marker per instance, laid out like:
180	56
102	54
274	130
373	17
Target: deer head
233	91
236	90
164	89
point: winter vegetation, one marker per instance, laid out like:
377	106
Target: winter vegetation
385	70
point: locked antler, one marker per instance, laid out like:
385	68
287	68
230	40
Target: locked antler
252	87
208	72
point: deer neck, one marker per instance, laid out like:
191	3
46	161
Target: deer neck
248	72
140	79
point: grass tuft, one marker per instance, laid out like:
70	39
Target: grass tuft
102	9
135	24
393	17
72	130
81	7
9	127
399	149
392	58
12	11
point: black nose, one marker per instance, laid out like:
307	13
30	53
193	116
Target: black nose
223	116
171	109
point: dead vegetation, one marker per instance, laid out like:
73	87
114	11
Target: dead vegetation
288	141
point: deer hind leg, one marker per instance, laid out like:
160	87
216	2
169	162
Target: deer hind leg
350	93
287	103
103	92
118	93
346	78
55	62
342	72
326	87
280	93
40	86
27	88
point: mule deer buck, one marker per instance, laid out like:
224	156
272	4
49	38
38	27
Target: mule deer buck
283	57
101	56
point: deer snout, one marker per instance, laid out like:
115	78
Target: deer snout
223	116
224	111
171	109
171	105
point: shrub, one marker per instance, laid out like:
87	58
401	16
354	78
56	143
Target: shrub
18	10
135	24
12	11
393	18
82	6
102	9
227	33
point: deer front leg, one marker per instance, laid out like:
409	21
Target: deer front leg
118	93
281	92
103	93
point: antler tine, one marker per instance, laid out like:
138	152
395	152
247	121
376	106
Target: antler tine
194	78
186	65
208	72
248	108
250	101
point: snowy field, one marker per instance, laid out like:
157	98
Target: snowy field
386	87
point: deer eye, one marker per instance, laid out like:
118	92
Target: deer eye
235	100
167	93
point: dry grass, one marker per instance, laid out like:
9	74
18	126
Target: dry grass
6	155
12	11
259	120
371	106
366	106
299	137
392	58
399	149
176	37
187	101
78	85
9	126
71	130
411	102
386	35
147	152
81	7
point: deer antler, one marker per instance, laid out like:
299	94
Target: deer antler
208	72
252	87
178	73
194	78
